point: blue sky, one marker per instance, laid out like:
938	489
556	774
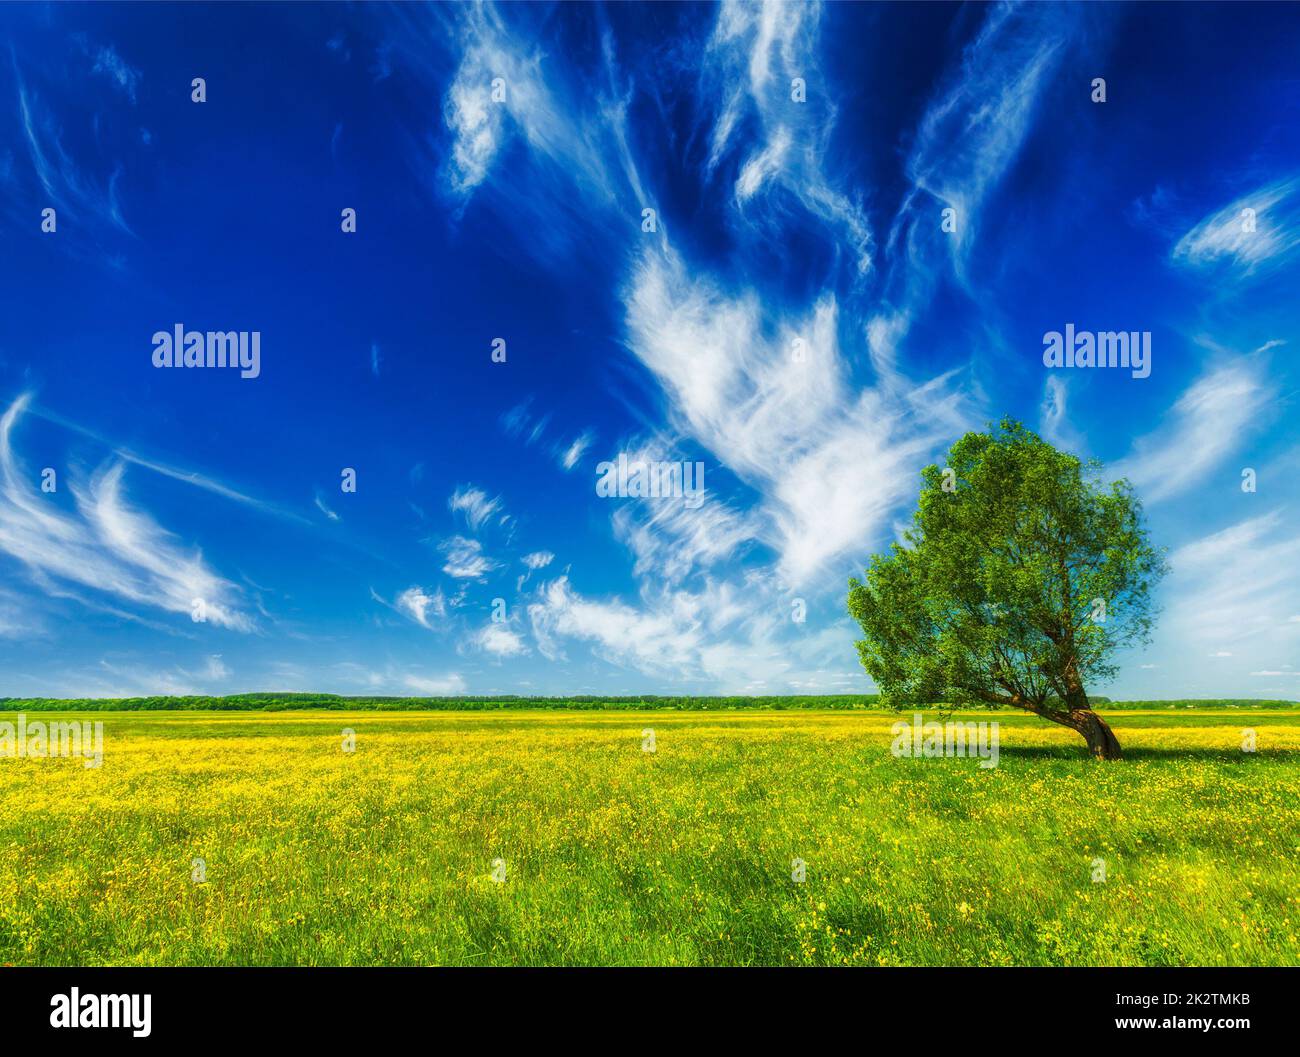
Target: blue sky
798	320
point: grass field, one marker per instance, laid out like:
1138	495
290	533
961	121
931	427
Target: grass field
613	855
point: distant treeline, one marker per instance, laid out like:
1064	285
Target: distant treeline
1203	702
279	702
269	702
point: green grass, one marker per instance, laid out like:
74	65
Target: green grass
618	856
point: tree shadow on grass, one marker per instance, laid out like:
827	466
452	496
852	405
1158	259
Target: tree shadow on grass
1207	754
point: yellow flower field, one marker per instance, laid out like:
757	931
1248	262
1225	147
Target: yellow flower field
554	838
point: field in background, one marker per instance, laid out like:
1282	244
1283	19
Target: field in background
613	855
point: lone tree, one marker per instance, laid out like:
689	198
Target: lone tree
1020	576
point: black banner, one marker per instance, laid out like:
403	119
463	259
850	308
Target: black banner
176	1005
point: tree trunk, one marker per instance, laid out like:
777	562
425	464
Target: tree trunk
1102	744
1097	733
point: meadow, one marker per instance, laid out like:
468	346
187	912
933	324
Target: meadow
549	837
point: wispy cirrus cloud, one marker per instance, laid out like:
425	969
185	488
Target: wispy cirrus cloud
968	139
421	605
671	540
534	561
1206	424
107	62
832	460
502	89
474	505
464	558
772	401
199	480
1258	232
818	462
1237	587
749	71
1053	416
117	677
562	120
570	455
797	420
18	619
480	125
107	545
320	505
974	130
67	184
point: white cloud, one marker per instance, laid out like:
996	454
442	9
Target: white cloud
500	640
215	668
66	183
570	456
465	559
763	165
169	577
192	477
1052	416
320	505
973	132
729	636
17	616
107	545
118	70
1236	587
533	562
451	685
1222	610
153	678
831	462
520	423
1234	238
671	540
659	642
1206	425
419	605
479	124
968	139
474	504
528	105
756	52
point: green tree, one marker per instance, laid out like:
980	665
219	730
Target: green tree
1020	576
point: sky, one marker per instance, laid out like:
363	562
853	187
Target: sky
864	219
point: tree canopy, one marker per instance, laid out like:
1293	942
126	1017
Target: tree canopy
1019	578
